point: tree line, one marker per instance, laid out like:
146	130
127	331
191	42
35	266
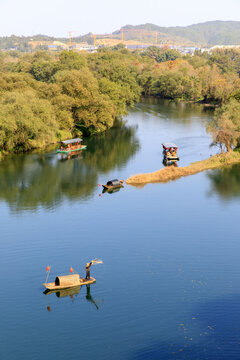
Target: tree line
47	97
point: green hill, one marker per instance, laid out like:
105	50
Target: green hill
204	34
208	33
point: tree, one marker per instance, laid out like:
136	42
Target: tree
116	93
160	54
26	122
225	127
92	112
70	60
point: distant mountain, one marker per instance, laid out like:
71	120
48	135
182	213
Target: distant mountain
204	34
208	33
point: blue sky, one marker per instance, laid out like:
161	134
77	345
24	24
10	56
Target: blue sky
57	17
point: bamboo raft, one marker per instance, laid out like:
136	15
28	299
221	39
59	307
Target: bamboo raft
68	281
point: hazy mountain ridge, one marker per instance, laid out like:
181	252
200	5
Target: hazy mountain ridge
208	33
203	34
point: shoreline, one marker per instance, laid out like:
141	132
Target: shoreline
173	173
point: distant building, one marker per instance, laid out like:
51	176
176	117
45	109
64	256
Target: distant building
225	47
84	47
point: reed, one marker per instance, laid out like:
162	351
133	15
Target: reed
173	173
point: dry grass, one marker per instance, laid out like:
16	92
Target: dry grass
172	173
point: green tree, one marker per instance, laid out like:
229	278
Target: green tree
69	60
116	93
161	54
92	112
26	122
225	127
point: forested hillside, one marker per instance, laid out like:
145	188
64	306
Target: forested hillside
208	33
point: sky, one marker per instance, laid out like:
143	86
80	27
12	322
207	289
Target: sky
57	17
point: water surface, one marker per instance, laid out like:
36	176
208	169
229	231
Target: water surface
169	285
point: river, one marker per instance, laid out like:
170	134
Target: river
168	287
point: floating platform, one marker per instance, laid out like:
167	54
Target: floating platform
68	281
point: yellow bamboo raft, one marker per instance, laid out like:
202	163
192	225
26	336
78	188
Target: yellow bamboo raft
68	281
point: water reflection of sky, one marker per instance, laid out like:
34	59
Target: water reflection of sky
169	284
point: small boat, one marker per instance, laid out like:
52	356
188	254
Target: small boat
68	146
113	184
68	281
170	152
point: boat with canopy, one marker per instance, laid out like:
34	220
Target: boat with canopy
170	152
113	184
68	281
73	280
68	146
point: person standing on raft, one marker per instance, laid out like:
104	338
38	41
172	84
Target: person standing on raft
87	268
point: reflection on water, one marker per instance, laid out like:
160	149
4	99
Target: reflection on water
30	181
73	293
64	292
170	163
70	155
226	181
112	191
113	149
171	252
180	112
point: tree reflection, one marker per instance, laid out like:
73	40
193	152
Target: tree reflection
113	149
30	181
174	111
226	182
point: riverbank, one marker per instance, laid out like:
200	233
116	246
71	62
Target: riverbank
173	173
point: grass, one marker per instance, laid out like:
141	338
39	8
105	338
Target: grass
173	173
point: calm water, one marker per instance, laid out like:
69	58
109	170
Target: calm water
169	287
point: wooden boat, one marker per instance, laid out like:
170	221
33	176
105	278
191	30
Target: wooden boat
170	152
68	146
113	184
68	281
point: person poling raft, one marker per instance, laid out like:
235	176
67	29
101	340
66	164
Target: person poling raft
68	146
113	184
68	281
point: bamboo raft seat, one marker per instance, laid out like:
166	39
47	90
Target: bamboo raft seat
68	281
